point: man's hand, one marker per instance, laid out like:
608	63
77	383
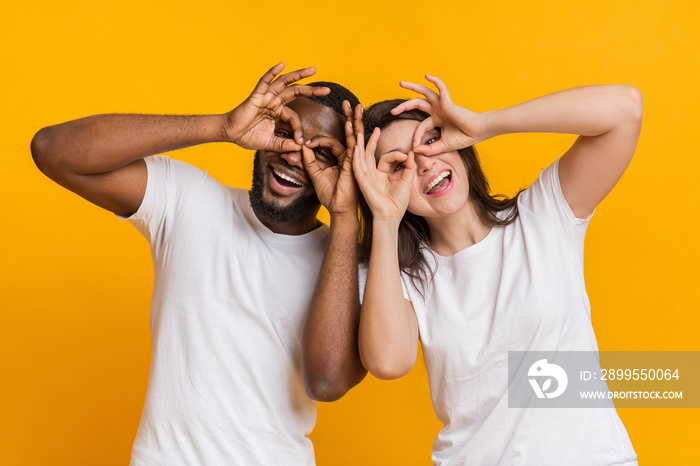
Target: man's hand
251	125
335	185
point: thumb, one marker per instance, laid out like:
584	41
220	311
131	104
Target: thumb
310	163
438	147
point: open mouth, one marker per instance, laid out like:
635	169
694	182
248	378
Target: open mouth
439	183
285	180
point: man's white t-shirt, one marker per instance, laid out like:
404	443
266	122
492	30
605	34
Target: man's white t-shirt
225	384
519	289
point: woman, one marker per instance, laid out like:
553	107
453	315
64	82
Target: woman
475	276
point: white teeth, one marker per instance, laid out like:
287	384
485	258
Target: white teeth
436	181
285	177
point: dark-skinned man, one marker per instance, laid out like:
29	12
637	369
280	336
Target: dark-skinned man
234	270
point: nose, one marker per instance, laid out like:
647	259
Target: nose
293	158
424	164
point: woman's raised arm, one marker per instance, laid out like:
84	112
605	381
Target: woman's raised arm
607	118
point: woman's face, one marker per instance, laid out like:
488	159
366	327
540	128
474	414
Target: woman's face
441	186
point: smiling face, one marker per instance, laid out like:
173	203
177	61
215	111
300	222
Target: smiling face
441	185
282	192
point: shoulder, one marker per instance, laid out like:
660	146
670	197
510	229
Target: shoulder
545	198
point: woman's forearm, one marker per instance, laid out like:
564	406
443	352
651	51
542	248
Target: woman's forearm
587	111
388	327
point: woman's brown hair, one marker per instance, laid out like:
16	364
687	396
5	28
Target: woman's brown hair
414	233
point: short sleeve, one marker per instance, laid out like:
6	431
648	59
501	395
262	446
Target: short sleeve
170	185
362	281
544	204
546	198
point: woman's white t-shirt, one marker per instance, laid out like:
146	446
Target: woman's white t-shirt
519	289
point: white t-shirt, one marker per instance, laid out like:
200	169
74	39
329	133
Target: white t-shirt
519	289
225	384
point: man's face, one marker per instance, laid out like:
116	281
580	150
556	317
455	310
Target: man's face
282	191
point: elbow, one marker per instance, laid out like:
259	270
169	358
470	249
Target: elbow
324	390
633	104
332	383
388	368
41	149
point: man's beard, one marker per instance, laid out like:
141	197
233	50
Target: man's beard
270	212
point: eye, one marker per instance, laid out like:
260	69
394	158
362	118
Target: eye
325	156
400	166
431	140
323	153
283	133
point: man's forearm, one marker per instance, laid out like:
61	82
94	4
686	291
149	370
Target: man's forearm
103	143
330	356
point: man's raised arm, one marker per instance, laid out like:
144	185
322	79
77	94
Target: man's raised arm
100	157
330	355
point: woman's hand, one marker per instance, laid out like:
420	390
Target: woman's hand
459	127
386	196
335	185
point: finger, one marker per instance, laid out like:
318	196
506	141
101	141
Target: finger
332	144
435	148
359	163
347	109
423	126
358	124
357	160
279	144
444	93
426	92
285	80
350	139
387	160
372	147
291	117
409	171
310	164
420	104
297	90
267	78
346	161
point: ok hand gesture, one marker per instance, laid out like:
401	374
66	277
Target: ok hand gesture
251	125
386	186
335	185
459	127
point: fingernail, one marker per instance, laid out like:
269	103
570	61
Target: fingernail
308	142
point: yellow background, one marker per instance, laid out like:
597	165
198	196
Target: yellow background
76	282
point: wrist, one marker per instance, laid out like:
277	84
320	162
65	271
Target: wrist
385	225
489	123
347	221
228	131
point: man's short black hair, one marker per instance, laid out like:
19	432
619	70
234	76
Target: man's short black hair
336	97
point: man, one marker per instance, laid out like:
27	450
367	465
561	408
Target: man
234	271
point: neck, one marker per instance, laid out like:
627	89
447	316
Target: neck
301	226
453	233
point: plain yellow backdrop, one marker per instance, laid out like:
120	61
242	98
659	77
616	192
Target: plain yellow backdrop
76	282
